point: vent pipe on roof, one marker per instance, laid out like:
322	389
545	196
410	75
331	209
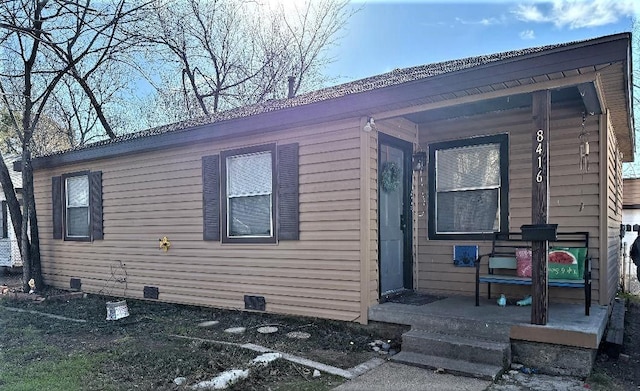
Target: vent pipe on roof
292	83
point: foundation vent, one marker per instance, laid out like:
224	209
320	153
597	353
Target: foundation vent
257	303
150	292
75	284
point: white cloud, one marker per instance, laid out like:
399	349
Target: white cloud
529	13
483	22
489	21
527	34
576	14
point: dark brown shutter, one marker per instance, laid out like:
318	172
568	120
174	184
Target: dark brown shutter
5	232
288	206
56	205
211	197
95	203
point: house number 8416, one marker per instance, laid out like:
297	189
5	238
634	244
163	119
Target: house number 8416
539	150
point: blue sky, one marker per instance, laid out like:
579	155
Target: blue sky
385	35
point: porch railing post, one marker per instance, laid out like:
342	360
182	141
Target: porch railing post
541	108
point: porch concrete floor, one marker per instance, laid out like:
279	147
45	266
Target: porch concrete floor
567	324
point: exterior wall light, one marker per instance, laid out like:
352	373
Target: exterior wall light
370	125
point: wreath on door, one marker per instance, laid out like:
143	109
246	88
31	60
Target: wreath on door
390	176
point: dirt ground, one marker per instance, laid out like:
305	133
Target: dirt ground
142	351
137	352
625	370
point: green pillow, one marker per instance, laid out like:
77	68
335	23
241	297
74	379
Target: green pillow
567	262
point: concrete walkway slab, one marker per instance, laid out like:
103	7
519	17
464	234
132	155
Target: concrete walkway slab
399	377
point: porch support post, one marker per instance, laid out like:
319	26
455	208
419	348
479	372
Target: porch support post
365	220
541	107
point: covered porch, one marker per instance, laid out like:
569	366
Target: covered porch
453	334
530	138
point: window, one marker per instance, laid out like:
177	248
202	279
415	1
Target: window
251	195
76	200
77	206
468	187
248	204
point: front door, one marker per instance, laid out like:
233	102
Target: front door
394	215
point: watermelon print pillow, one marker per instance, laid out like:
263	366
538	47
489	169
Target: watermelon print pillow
567	262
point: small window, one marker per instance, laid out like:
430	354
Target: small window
77	207
468	188
248	209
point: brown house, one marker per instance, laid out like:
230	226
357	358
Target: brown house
321	204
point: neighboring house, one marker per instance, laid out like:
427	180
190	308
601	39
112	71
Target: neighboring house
631	208
631	219
9	250
307	206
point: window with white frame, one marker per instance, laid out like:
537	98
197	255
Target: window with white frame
77	206
468	187
249	206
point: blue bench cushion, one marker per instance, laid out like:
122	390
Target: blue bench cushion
515	280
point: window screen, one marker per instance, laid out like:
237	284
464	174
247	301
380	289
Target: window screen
467	189
249	195
77	200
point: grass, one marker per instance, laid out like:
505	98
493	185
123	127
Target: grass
600	381
28	362
59	373
629	297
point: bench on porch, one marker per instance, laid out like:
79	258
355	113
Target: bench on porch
503	263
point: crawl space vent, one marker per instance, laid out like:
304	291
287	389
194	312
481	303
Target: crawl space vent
150	292
75	284
257	303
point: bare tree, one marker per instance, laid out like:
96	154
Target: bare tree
43	42
73	109
227	53
311	29
49	137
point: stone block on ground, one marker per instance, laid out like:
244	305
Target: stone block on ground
554	359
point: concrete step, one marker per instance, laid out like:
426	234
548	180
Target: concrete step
452	366
443	323
473	328
457	347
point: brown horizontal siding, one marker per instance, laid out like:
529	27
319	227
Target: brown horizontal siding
225	255
154	194
614	218
631	191
568	189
